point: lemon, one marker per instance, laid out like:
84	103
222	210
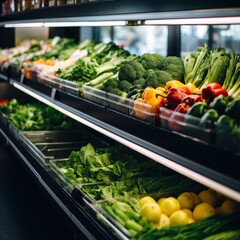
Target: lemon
164	220
179	218
186	201
187	211
160	201
170	205
145	200
228	207
208	196
195	198
191	220
202	211
151	211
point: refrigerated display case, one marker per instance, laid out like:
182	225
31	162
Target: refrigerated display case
196	158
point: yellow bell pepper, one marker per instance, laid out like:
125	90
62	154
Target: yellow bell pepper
175	84
151	100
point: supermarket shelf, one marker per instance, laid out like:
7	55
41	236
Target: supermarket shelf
127	10
194	159
75	215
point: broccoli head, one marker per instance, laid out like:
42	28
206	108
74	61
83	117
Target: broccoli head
140	81
130	71
124	85
151	61
157	78
175	66
110	84
176	71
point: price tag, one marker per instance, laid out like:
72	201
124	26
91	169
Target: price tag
53	93
21	78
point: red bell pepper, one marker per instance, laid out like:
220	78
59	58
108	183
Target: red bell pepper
175	96
191	99
4	102
182	108
213	90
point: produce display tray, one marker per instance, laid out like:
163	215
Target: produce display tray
14	131
55	171
4	120
66	182
4	68
109	221
15	71
59	83
227	139
47	145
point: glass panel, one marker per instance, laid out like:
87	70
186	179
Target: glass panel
140	39
192	37
227	36
105	34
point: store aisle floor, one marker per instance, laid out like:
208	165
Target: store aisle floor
25	213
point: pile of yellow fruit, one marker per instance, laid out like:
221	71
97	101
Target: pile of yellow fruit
187	208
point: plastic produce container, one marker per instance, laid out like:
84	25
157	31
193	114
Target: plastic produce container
142	111
185	124
49	80
95	95
15	71
227	139
118	103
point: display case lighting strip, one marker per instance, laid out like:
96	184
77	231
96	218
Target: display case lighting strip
23	25
158	158
85	24
68	24
165	21
195	21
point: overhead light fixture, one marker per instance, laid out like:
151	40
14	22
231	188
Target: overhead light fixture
13	25
195	21
68	24
85	24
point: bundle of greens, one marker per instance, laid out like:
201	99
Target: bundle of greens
102	63
99	164
197	230
127	213
207	66
37	116
60	48
123	172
